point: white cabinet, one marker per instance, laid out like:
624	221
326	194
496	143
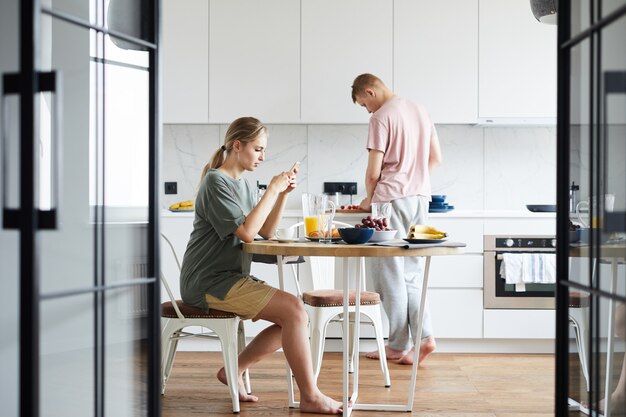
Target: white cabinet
456	313
519	324
254	60
341	40
435	57
185	61
517	63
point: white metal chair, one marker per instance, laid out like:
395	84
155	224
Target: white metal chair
227	327
324	304
578	314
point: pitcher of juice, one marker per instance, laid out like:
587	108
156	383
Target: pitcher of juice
318	212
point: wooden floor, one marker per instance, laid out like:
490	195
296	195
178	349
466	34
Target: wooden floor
448	385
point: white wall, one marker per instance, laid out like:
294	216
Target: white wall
485	168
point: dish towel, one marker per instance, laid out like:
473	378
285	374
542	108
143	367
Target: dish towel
528	268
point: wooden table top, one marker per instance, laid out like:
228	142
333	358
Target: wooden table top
269	247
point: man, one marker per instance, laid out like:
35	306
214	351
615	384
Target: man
403	148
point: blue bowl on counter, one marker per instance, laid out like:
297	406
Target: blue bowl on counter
356	235
438	198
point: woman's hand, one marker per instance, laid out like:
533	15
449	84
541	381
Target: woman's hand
292	179
283	182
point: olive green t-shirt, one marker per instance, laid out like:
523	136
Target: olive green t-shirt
214	261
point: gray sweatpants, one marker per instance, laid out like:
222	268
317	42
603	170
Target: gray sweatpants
398	280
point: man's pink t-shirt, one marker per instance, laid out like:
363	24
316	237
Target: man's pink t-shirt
402	131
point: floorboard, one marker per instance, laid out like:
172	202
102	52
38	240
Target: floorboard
448	385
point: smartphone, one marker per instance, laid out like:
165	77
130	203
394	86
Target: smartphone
295	165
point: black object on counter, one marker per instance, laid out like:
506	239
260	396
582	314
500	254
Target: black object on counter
542	208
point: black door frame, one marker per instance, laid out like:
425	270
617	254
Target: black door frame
28	220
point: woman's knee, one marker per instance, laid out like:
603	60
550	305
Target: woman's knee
297	311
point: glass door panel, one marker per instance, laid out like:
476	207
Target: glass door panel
9	239
68	253
126	343
67	357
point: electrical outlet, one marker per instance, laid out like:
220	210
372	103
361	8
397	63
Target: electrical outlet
171	188
340	187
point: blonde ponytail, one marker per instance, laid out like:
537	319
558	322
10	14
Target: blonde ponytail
245	130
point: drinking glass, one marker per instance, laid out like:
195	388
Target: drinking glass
325	223
316	211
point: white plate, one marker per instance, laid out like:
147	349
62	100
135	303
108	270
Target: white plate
287	240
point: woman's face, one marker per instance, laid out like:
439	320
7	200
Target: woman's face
253	153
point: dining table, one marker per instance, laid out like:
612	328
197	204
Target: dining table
354	254
613	254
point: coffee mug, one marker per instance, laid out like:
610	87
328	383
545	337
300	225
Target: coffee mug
285	233
592	205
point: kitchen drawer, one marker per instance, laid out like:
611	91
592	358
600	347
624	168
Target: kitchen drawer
458	271
456	313
519	324
529	226
468	231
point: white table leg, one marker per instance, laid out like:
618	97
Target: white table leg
357	331
418	337
347	410
610	342
290	391
409	405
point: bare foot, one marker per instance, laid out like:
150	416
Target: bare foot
427	346
391	354
243	395
618	402
321	404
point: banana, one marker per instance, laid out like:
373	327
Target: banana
423	228
182	205
430	236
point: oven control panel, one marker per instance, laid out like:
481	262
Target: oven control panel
525	242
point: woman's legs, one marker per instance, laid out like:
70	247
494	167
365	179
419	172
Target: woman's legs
290	331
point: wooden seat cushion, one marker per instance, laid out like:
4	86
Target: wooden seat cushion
334	298
578	299
190	312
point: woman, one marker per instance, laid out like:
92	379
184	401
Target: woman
216	272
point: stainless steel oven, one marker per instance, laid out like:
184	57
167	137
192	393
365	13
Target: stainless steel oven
498	294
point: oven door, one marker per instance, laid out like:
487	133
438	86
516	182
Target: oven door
498	294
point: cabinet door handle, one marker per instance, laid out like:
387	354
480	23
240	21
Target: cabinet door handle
51	82
10	86
48	82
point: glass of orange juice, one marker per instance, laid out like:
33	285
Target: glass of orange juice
311	223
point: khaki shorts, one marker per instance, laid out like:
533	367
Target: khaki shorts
246	298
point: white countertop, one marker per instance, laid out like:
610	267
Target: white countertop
454	214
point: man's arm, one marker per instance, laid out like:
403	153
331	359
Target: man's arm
372	175
434	157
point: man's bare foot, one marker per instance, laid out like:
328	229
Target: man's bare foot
618	403
427	346
320	404
243	395
391	354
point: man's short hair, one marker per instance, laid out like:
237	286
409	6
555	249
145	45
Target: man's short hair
362	82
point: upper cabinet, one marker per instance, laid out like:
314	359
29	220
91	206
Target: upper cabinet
185	61
435	57
254	60
517	64
340	40
288	61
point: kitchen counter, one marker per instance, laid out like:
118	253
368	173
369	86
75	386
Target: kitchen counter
454	214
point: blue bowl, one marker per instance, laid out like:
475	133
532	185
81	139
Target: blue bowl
438	198
356	235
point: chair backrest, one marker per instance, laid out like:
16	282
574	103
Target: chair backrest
322	268
170	247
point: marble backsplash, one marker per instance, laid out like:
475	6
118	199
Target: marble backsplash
484	168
